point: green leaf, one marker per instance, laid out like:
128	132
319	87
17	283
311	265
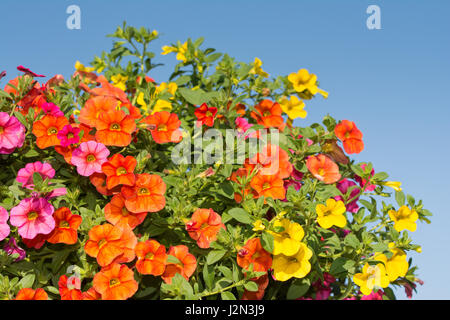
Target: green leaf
172	259
240	215
27	281
352	241
296	291
227	295
215	256
341	265
267	241
195	97
400	198
251	286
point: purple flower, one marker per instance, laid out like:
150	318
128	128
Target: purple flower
343	186
11	248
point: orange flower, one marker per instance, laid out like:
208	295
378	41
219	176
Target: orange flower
323	168
46	130
350	135
114	128
204	226
151	257
117	214
268	114
254	253
129	242
273	160
94	107
119	170
99	182
147	195
242	173
165	127
30	294
91	294
66	226
115	282
66	152
269	186
105	243
186	267
262	282
69	288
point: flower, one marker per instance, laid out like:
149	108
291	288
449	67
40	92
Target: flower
30	294
186	266
89	157
262	283
323	168
243	126
12	248
115	282
350	135
364	182
162	105
12	133
258	70
4	227
288	241
372	276
252	253
69	288
344	185
205	115
119	170
374	295
297	265
33	216
151	256
268	114
99	182
331	214
25	175
114	128
105	243
258	225
394	185
94	107
68	135
304	81
80	67
29	72
268	186
171	88
164	127
46	130
147	195
293	107
91	294
272	160
66	226
119	81
52	109
204	227
116	213
397	265
404	218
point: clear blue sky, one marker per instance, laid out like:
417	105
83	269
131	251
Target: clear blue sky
392	82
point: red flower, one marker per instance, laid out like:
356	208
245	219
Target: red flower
254	253
69	288
350	135
206	114
204	227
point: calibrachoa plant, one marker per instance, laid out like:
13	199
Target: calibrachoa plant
92	206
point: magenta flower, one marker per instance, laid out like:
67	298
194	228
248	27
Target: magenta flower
362	182
11	248
25	175
12	133
343	186
89	157
55	193
2	74
52	109
33	216
4	227
243	126
374	296
68	135
29	72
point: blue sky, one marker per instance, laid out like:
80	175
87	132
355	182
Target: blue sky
391	82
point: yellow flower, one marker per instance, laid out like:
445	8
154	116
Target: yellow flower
119	81
154	33
404	218
397	265
258	70
293	107
303	80
140	100
80	67
288	241
394	185
297	265
168	49
162	105
332	214
182	52
258	225
171	88
371	277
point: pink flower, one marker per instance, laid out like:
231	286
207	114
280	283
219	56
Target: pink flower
29	72
343	186
4	227
11	248
68	135
362	182
374	296
310	142
25	175
52	109
89	157
12	133
243	126
33	216
55	193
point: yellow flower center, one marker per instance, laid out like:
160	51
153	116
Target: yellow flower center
149	256
52	131
114	282
70	135
208	113
32	215
266	185
2	129
267	113
101	243
115	126
125	212
143	191
321	172
162	127
90	158
64	224
121	171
